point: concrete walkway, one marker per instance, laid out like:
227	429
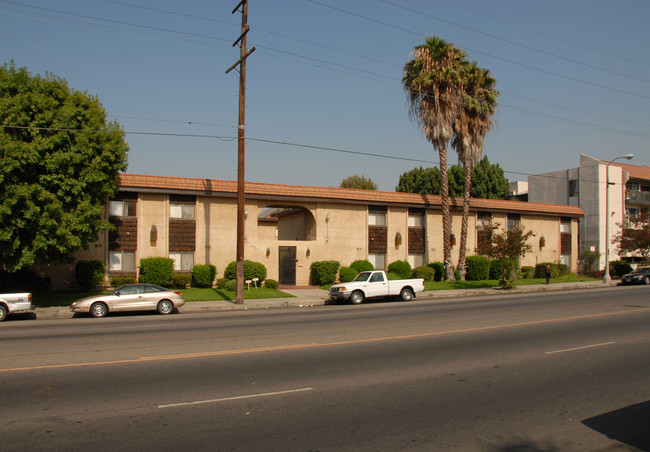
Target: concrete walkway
306	298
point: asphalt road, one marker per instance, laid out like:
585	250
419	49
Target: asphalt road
537	373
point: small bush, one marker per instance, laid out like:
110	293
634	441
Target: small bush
362	266
499	265
347	274
619	268
203	275
89	273
120	281
425	272
323	272
400	268
251	270
393	276
477	268
528	272
271	284
439	269
231	285
588	262
157	270
180	280
221	283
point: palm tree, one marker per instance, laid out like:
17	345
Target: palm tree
432	80
471	126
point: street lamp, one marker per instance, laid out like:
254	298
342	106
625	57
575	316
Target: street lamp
606	277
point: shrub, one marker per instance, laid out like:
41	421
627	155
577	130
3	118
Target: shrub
203	275
119	281
498	265
157	270
508	273
362	266
528	272
271	284
401	268
393	276
540	270
221	283
439	269
456	274
24	280
180	280
427	273
89	273
477	268
619	268
251	270
323	272
588	263
231	285
347	274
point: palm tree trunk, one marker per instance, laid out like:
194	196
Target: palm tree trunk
463	233
446	227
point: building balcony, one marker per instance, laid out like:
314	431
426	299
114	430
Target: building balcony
638	197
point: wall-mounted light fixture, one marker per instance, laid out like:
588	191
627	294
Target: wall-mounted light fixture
542	242
327	217
398	239
453	239
153	235
308	252
268	252
245	214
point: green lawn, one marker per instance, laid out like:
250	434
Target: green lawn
450	285
193	294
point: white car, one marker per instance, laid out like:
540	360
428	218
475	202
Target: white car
132	297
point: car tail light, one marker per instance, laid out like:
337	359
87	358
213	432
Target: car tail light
178	293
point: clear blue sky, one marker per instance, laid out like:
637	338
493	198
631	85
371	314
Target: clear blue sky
574	77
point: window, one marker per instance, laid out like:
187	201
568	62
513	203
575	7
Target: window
122	208
377	215
573	188
378	260
183	211
416	260
416	218
121	260
514	221
377	277
183	260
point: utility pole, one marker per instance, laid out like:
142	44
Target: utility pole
241	146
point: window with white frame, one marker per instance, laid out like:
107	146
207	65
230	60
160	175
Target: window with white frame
122	208
416	260
183	211
416	220
377	218
183	260
121	260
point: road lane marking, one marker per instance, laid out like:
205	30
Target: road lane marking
241	397
325	344
579	348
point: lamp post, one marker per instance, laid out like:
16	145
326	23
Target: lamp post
606	277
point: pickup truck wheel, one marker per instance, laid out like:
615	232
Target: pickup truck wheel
3	313
98	309
406	294
356	298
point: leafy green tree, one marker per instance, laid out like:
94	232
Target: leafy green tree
60	161
488	181
634	236
433	80
359	182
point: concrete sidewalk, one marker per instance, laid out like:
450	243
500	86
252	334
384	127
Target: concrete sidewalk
306	298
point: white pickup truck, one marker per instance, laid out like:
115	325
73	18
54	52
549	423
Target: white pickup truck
15	303
375	284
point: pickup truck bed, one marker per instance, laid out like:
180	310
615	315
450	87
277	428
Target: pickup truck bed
15	303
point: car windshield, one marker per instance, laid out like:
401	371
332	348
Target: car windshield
362	276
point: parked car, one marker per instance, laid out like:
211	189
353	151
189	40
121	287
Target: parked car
132	297
16	303
639	276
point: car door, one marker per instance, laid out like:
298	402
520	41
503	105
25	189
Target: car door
377	286
128	298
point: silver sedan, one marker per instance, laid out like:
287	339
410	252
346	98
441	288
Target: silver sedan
132	297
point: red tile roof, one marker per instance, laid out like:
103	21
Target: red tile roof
341	195
636	172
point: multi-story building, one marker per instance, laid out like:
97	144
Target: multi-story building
587	187
288	227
